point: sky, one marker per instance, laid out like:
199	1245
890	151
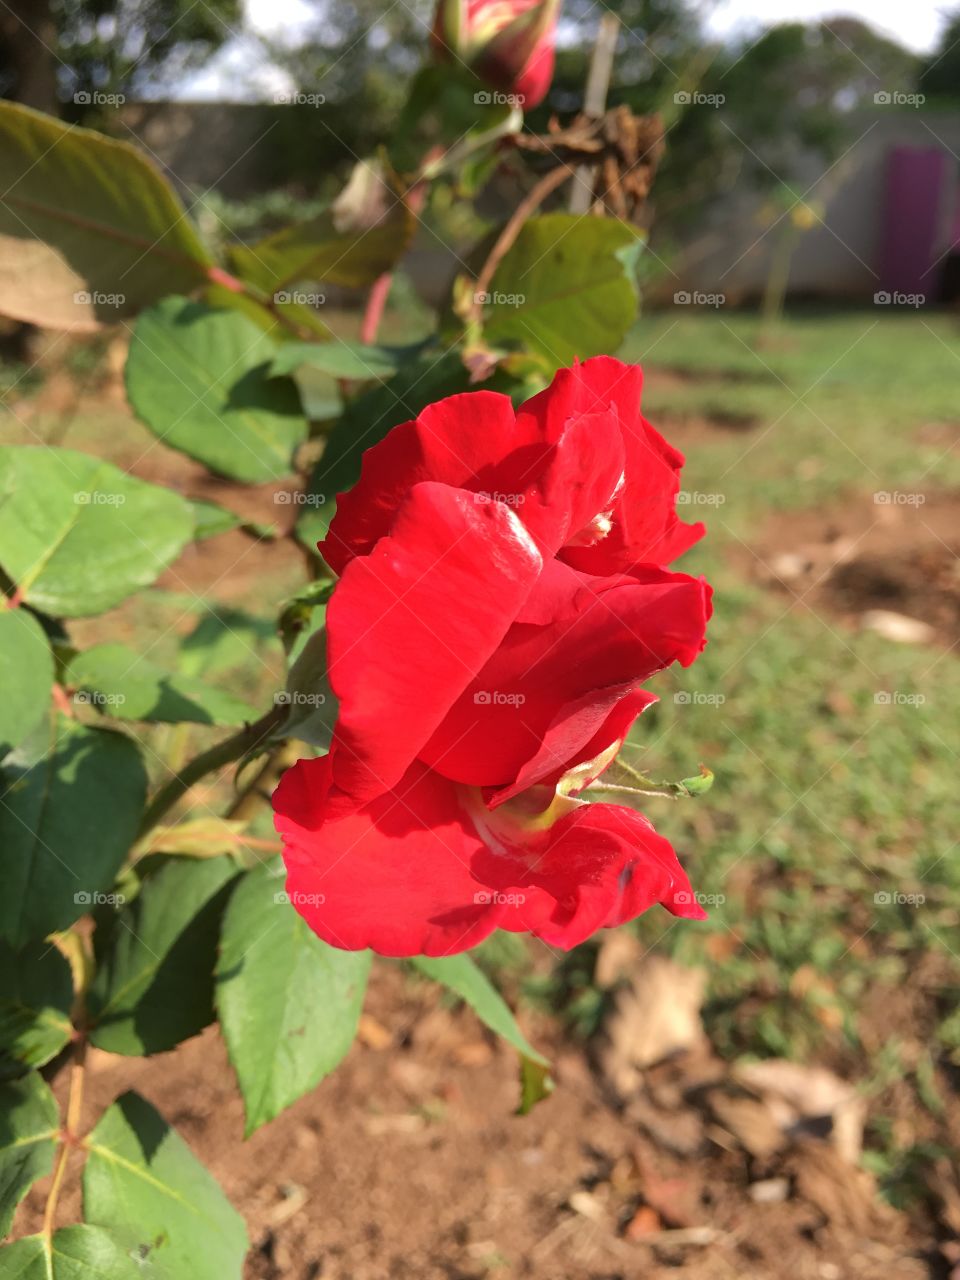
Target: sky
238	72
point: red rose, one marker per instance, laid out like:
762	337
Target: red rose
501	603
509	44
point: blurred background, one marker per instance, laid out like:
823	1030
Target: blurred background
772	1092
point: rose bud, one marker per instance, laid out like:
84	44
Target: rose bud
508	44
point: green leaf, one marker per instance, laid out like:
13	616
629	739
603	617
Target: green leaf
68	815
367	420
312	703
89	229
209	519
36	995
200	379
288	1002
29	1124
118	681
145	1185
460	974
78	535
536	1085
153	986
223	640
565	288
329	248
74	1253
340	359
26	676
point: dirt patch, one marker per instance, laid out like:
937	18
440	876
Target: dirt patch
410	1162
871	560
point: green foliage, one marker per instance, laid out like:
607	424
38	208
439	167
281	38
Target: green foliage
71	807
28	1127
288	1002
565	289
112	677
89	230
199	377
72	1253
143	1184
153	986
78	535
36	995
26	676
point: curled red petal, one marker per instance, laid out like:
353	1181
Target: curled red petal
410	625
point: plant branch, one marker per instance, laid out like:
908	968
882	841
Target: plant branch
249	738
531	201
70	1134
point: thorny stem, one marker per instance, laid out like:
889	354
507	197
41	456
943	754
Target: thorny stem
249	738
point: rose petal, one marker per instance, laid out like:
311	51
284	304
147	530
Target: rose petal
603	633
410	624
